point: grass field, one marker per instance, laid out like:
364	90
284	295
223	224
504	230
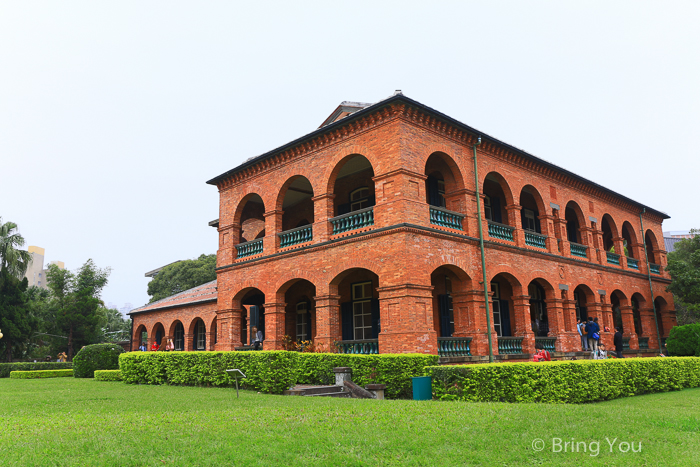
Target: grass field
67	421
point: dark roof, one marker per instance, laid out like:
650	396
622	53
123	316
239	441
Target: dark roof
399	97
200	294
670	243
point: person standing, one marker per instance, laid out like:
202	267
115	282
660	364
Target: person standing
143	347
581	327
257	339
593	334
617	340
599	353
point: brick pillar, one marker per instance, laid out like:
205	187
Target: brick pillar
646	316
401	197
523	324
328	329
323	210
188	342
229	236
228	323
406	313
274	326
547	227
515	221
598	243
637	252
628	324
558	313
460	309
560	226
460	201
587	240
618	242
473	322
603	311
273	226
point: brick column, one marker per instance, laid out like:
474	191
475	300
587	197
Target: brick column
515	221
460	201
618	242
229	324
401	197
547	227
460	309
328	329
603	311
475	325
523	324
587	240
229	237
274	326
598	242
560	226
557	311
637	252
273	226
188	342
323	210
407	319
628	324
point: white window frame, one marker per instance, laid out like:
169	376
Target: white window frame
179	337
302	321
362	310
201	335
529	216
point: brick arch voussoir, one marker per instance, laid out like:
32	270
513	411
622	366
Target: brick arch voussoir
449	260
505	185
248	284
357	263
588	290
137	334
334	164
154	330
294	276
267	196
173	324
540	200
578	210
634	236
193	322
453	158
289	177
506	269
547	283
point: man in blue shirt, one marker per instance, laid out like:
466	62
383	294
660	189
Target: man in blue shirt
592	328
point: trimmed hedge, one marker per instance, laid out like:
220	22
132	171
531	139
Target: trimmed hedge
574	381
6	368
41	374
272	371
108	375
96	357
684	340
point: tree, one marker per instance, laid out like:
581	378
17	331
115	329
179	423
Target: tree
181	276
15	321
114	327
684	267
12	260
76	301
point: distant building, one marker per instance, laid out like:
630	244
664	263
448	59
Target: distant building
673	237
36	274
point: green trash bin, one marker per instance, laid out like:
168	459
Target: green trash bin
422	388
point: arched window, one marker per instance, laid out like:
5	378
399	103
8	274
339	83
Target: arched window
581	309
179	337
538	310
200	336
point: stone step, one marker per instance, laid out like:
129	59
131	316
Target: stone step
314	390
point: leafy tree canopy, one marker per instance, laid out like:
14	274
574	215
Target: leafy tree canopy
181	276
12	260
684	267
15	321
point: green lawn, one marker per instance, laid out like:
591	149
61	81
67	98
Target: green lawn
67	421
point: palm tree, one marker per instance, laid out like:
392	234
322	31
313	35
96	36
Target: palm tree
12	260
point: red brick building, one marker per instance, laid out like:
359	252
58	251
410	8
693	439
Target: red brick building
363	235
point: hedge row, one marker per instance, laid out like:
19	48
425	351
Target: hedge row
272	371
6	368
108	375
565	381
41	374
96	357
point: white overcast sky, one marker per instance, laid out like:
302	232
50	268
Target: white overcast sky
114	114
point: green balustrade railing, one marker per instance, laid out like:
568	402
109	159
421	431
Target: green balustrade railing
454	346
359	347
510	345
254	247
644	343
578	250
613	258
352	221
632	263
445	218
655	268
547	342
625	343
501	231
294	236
535	239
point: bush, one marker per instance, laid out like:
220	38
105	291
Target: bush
565	381
271	371
108	375
96	357
6	368
684	340
40	374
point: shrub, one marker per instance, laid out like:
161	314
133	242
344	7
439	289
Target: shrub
40	374
271	371
684	340
108	375
96	357
565	381
6	368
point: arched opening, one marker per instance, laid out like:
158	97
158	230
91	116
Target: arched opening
353	186
496	197
574	221
359	304
582	297
531	204
652	247
446	281
251	218
629	240
539	319
660	306
609	230
140	337
179	336
618	300
300	312
296	203
502	309
214	333
637	301
253	314
199	335
157	333
443	179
